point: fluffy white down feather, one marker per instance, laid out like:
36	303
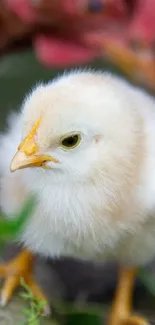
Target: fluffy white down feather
99	201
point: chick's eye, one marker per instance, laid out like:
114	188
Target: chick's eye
71	141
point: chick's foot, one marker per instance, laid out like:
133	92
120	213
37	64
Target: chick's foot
12	272
121	313
135	320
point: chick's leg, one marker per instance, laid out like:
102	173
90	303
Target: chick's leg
12	272
121	313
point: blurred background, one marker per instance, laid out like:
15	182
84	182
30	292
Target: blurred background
38	40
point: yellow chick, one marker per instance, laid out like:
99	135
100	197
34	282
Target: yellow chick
86	148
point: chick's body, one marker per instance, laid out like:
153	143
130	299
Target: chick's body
98	202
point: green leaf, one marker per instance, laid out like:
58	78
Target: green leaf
26	287
26	311
24	295
35	309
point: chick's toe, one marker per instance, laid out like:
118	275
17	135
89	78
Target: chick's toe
21	267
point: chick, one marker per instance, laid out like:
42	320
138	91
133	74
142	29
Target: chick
86	149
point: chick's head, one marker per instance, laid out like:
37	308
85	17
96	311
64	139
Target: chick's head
80	125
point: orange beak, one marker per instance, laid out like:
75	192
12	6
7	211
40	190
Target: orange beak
28	153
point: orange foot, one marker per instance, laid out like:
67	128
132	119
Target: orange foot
19	267
121	313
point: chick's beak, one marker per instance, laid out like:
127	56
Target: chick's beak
20	161
28	155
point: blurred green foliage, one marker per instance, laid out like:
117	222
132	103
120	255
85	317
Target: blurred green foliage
84	319
20	71
12	226
33	312
148	279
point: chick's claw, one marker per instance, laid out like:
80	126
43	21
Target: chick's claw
9	286
135	320
13	271
129	320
